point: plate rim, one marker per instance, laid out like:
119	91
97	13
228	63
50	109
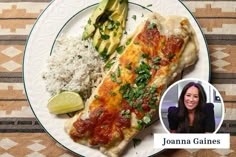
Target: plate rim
204	37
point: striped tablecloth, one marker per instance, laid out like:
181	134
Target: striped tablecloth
20	133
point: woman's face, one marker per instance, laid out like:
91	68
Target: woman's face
191	98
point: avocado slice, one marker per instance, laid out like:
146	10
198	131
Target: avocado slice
90	28
106	26
113	28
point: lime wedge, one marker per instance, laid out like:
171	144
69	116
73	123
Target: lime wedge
65	102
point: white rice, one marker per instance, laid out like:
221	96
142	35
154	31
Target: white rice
73	66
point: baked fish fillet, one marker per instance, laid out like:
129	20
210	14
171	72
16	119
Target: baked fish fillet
128	97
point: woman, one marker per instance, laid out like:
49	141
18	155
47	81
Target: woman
193	114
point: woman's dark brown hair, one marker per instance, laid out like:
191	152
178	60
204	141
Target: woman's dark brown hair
183	111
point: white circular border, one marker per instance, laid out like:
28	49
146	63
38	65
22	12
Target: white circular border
191	79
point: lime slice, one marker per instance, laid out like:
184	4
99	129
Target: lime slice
65	102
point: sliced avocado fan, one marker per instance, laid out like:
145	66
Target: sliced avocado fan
106	26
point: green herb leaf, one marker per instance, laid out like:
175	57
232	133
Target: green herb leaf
104	54
134	17
126	113
109	65
110	27
119	81
113	77
128	42
89	21
147	118
128	66
99	113
79	56
156	60
118	72
151	26
105	36
144	75
120	49
96	96
153	89
155	67
170	56
136	141
144	55
112	93
140	124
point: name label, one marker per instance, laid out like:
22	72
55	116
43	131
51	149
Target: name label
195	141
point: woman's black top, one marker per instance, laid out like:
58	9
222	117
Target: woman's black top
207	123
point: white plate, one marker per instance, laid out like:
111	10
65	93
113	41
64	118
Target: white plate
69	17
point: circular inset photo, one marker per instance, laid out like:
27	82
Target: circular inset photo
191	106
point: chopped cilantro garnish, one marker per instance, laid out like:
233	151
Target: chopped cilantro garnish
136	141
104	54
99	113
144	75
153	89
128	66
156	60
113	77
155	67
112	93
119	81
120	49
151	26
124	88
126	113
113	24
110	26
96	25
89	21
144	55
134	17
118	72
105	36
140	124
147	119
128	42
170	56
96	96
149	5
79	56
109	64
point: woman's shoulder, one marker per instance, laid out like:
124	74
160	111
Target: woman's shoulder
208	107
172	110
173	117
